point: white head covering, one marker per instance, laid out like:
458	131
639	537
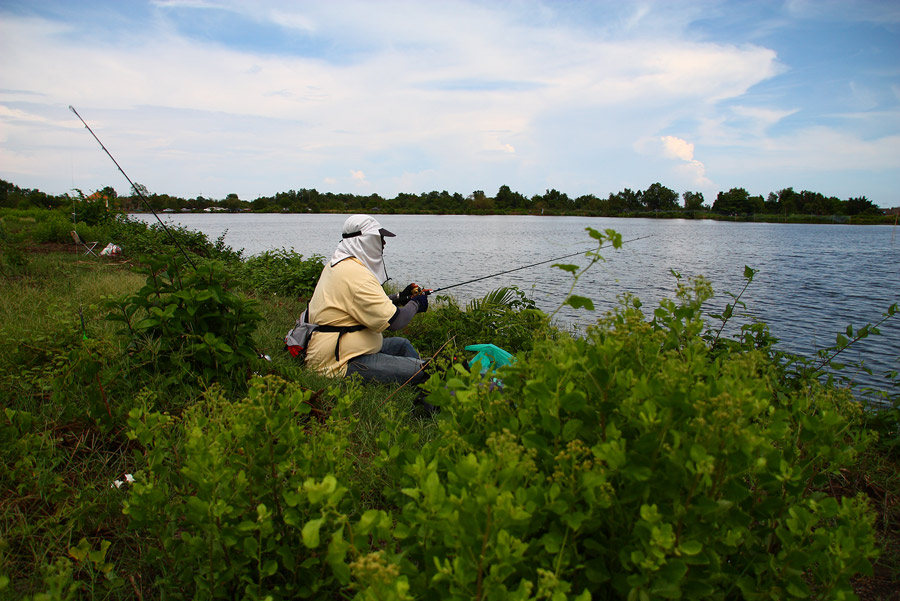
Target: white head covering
361	238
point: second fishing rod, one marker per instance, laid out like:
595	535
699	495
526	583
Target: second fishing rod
494	275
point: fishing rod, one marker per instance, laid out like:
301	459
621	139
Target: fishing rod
581	252
134	187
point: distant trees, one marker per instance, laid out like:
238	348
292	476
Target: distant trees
738	201
508	200
656	198
625	201
693	201
659	198
861	205
232	203
12	196
735	201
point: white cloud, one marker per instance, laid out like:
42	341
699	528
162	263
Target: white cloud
691	170
762	118
676	148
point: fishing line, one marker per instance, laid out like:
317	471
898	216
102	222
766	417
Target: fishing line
581	252
134	187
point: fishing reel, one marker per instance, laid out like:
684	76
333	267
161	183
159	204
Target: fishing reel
418	290
409	292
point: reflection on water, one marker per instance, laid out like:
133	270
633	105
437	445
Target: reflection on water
812	280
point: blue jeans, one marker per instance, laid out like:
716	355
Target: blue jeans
397	362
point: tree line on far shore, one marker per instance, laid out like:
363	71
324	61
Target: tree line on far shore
655	199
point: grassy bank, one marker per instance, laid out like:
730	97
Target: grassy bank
646	460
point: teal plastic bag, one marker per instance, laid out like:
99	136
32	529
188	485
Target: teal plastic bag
490	356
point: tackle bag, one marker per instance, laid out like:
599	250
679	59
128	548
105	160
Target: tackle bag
296	341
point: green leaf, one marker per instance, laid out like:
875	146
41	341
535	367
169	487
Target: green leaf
570	430
269	568
319	491
250	546
729	310
796	587
579	302
411	492
566	267
690	547
80	552
698	453
311	533
368	519
434	492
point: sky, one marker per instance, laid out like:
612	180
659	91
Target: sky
216	97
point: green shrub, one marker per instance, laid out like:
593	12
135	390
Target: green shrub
187	323
632	464
97	209
137	239
282	272
505	317
248	498
55	227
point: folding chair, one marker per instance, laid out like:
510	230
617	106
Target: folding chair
87	246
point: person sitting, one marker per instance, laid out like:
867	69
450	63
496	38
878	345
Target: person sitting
349	295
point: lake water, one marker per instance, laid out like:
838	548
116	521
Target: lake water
812	280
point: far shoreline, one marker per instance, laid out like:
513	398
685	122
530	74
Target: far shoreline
696	215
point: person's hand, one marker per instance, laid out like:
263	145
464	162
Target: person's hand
422	301
406	295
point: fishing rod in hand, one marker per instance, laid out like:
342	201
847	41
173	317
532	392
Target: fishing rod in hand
134	187
493	275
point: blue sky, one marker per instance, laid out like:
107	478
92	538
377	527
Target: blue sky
210	97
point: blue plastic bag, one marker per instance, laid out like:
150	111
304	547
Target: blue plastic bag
490	356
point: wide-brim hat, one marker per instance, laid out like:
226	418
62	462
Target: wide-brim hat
358	225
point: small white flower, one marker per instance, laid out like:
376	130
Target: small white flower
129	478
116	484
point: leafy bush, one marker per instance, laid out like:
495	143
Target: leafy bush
505	317
137	239
240	494
97	209
186	322
282	272
631	464
55	227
